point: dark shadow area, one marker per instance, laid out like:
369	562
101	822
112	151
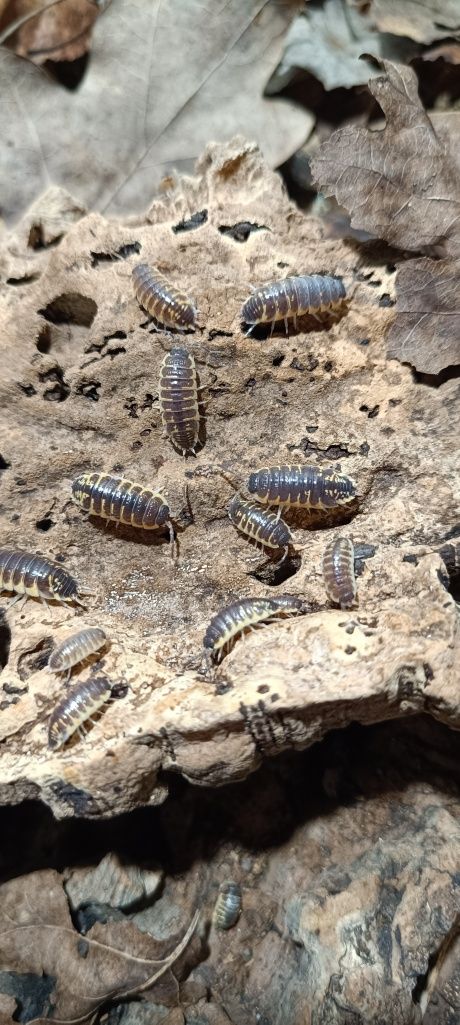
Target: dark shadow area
436	380
306	323
195	221
67	73
5	640
273	573
121	253
240	232
70	308
352	766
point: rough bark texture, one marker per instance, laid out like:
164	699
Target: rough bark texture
80	377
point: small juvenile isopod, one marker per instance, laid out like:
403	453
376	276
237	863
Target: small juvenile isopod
118	499
75	708
305	486
261	525
242	615
293	297
339	572
36	577
76	648
178	393
162	300
227	908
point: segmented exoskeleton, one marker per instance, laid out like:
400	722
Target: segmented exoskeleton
76	648
36	577
179	403
339	572
243	614
75	708
262	526
118	499
162	300
227	908
307	486
292	297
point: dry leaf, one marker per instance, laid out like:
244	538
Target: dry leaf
163	80
7	1008
58	32
426	331
328	42
398	183
111	960
423	20
448	51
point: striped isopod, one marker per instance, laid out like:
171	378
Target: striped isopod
262	526
339	572
306	486
293	297
227	908
164	302
179	399
118	499
36	577
75	708
243	614
76	649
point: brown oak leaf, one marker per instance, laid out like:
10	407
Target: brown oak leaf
426	331
112	960
400	183
422	20
44	31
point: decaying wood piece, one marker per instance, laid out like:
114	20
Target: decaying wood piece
79	374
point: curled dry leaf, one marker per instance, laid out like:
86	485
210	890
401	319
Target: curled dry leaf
426	331
162	81
43	31
328	42
112	960
398	183
423	20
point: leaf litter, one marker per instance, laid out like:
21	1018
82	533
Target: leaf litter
163	79
56	31
113	960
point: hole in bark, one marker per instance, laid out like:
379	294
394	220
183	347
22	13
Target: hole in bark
450	555
240	232
275	573
5	641
122	253
195	221
70	308
89	390
4	465
371	412
45	524
43	342
35	659
36	238
60	390
435	380
278	359
28	389
25	280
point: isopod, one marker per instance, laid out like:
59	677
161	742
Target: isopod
227	908
242	615
292	297
76	648
162	300
36	577
75	708
178	393
261	525
305	486
339	572
118	499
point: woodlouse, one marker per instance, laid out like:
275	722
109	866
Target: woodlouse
179	404
243	614
227	908
75	708
339	572
298	485
76	648
261	525
292	297
162	300
118	499
36	577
